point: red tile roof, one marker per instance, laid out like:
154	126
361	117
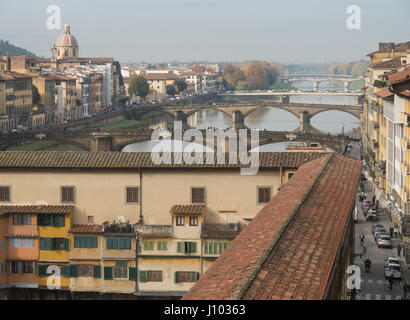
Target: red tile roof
288	250
401	75
384	93
136	160
188	209
388	64
35	209
86	228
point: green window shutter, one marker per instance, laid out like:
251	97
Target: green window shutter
110	243
220	247
42	270
66	271
73	270
181	247
125	243
96	271
193	247
159	245
76	242
50	244
107	273
121	263
175	276
42	244
226	245
132	273
94	242
116	243
58	220
143	276
214	248
51	220
66	245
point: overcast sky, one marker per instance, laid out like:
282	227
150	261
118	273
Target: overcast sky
215	30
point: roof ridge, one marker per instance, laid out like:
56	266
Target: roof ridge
259	264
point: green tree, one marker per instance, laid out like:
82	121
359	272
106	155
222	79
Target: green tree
139	86
171	90
180	85
36	95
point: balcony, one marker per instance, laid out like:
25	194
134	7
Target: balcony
220	230
154	230
17	230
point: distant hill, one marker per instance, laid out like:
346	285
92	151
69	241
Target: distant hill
11	50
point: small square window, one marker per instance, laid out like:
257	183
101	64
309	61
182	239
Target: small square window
5	194
180	221
67	194
193	221
263	195
198	195
132	194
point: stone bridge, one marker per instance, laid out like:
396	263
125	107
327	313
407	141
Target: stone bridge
116	140
238	112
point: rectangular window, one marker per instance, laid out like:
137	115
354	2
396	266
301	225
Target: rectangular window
263	195
148	245
162	245
22	267
186	247
154	276
132	194
180	221
27	243
4	268
85	242
5	194
85	270
44	220
198	195
186	276
67	194
3	244
120	270
122	243
59	244
19	219
193	221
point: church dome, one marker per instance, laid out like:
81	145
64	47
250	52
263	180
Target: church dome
67	39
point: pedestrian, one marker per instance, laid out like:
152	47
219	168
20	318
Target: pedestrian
398	249
395	232
373	200
364	250
405	289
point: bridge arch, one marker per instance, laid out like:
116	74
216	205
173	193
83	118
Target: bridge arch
247	113
354	113
190	113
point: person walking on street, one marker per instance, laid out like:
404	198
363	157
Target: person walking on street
395	232
373	200
398	249
364	251
362	239
405	289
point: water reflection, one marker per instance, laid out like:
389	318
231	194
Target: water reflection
209	118
333	121
166	145
272	119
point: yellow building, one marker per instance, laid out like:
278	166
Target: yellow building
53	227
16	97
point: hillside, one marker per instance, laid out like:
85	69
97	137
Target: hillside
11	50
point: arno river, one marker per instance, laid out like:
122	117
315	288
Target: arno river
274	119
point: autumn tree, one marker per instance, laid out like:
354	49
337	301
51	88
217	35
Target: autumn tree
138	86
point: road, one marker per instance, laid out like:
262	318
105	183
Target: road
372	283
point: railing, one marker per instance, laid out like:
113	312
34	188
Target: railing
220	230
22	230
154	229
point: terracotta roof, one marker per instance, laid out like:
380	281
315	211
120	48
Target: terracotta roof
35	209
384	93
388	64
6	75
401	75
86	228
288	250
86	60
67	39
188	209
136	160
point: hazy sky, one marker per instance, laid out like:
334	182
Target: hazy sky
214	30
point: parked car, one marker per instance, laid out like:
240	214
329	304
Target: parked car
384	240
371	215
393	271
391	260
377	229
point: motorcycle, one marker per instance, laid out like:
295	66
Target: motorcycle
367	265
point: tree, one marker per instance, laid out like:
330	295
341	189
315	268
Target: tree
36	95
180	85
139	86
260	75
171	90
